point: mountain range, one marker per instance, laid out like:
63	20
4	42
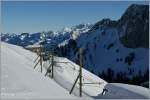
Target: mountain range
116	50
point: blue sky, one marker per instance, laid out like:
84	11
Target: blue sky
37	16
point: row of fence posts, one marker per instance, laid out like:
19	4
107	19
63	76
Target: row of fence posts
51	67
40	56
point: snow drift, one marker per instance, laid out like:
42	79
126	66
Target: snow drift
20	81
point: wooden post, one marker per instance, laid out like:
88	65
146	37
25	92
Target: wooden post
36	64
79	76
41	58
41	63
48	70
36	58
74	84
81	62
52	63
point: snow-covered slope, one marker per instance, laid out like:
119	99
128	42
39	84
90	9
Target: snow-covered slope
103	50
65	74
20	81
124	91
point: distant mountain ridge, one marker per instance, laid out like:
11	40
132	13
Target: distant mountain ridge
25	39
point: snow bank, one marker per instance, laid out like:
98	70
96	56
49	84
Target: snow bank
66	73
20	81
124	91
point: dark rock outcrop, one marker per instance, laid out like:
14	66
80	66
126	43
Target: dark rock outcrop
133	26
103	24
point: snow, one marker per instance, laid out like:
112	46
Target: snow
99	58
121	91
33	46
63	43
20	81
22	37
66	29
66	73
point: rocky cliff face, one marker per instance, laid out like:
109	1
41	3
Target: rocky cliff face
104	23
133	26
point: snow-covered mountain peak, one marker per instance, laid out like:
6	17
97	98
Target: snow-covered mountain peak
58	37
106	52
66	29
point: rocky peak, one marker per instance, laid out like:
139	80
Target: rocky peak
133	26
104	23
